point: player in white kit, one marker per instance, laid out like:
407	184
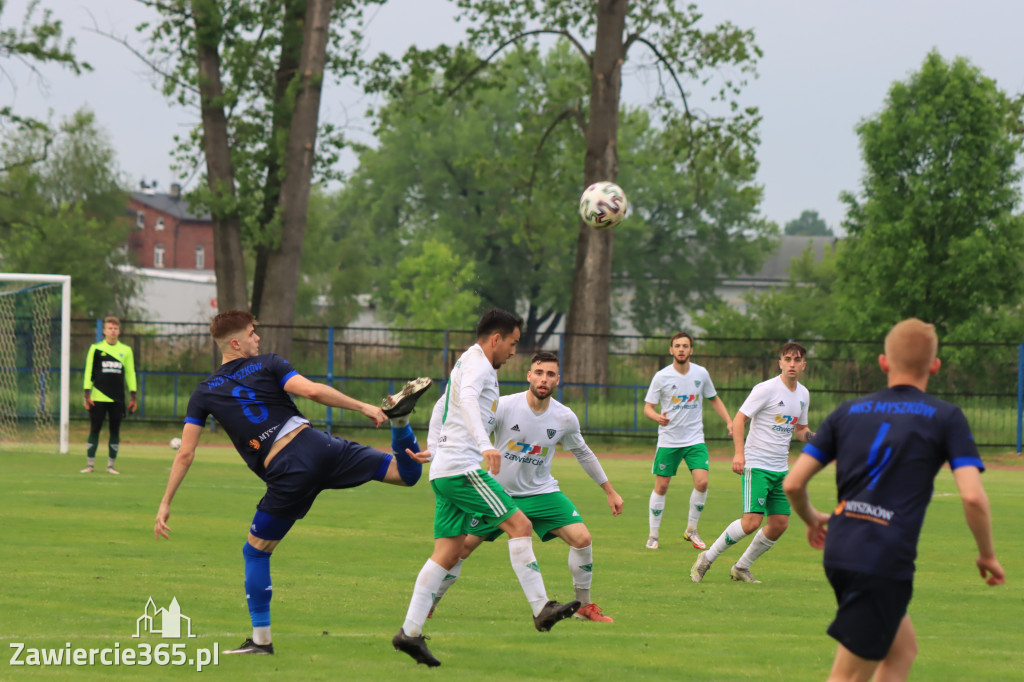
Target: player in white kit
675	401
463	488
528	426
777	410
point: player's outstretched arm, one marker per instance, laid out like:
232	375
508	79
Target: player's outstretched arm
795	486
332	397
979	520
182	461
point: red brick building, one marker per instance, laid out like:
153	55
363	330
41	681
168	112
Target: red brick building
168	234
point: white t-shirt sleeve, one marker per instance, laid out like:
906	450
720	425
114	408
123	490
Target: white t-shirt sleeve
807	406
654	392
573	441
469	406
708	388
755	402
434	430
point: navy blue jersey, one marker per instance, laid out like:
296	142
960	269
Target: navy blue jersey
888	447
247	397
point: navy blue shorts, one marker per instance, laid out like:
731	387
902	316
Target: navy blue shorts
870	609
314	462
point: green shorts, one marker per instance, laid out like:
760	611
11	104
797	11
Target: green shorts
461	498
547	513
762	492
667	460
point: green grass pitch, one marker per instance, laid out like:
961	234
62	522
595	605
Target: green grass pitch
80	561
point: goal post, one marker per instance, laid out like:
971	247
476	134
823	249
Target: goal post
30	317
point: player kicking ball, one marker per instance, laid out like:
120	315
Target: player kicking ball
528	426
249	396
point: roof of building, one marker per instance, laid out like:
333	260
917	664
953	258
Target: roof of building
173	205
775	270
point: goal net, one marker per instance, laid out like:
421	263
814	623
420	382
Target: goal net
35	350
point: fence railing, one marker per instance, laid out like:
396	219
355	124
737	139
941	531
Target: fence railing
985	380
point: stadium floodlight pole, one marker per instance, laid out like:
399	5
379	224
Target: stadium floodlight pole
65	346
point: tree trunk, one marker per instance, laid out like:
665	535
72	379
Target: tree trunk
287	67
589	323
220	174
284	263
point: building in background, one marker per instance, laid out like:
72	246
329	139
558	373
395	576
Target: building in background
168	233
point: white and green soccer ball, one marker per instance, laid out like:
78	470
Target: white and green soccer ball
175	443
603	205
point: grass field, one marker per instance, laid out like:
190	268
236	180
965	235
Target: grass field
80	561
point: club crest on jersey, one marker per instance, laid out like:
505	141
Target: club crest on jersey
697	383
551	433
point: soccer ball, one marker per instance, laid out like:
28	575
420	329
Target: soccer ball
175	443
603	205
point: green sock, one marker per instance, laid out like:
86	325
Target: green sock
112	450
94	441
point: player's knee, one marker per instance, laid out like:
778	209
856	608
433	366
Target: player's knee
750	524
582	539
518	526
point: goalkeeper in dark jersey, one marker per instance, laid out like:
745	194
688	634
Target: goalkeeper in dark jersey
249	396
108	366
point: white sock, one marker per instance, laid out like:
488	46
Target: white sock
697	500
581	565
261	635
524	563
449	580
399	422
657	506
732	534
758	546
427	583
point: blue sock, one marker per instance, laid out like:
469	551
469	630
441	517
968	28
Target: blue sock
258	589
409	469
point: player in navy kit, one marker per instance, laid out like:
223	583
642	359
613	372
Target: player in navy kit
248	395
888	448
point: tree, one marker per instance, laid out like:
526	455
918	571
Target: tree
809	224
255	69
39	40
679	48
66	213
935	233
492	173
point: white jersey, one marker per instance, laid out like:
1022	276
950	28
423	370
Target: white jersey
681	398
774	411
467	416
527	440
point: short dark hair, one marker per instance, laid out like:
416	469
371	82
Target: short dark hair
544	356
110	319
793	347
500	321
681	335
230	321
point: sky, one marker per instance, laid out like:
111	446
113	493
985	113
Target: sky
827	65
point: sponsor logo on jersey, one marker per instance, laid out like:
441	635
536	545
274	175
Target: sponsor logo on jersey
855	509
785	419
254	444
528	449
684	398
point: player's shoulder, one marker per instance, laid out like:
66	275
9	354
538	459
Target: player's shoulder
512	400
